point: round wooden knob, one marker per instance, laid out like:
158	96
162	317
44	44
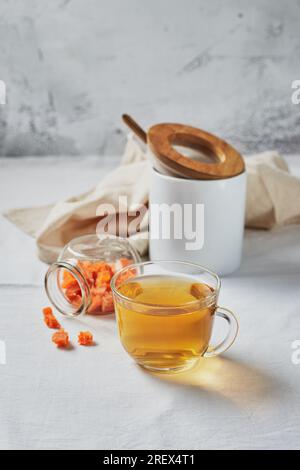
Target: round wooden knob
225	160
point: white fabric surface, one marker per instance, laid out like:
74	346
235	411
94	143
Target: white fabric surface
96	397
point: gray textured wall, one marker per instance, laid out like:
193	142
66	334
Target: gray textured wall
73	66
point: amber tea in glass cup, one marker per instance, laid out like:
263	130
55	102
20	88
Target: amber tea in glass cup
165	312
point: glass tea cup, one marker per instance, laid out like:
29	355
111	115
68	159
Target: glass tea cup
165	312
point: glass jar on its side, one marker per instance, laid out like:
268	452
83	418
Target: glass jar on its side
79	281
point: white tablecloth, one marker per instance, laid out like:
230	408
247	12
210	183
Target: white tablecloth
97	397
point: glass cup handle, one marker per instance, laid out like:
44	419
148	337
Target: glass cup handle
233	325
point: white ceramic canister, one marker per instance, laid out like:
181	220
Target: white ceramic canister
209	227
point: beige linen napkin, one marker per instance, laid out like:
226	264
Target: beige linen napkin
273	196
273	193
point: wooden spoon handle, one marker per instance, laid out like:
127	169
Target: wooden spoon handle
133	125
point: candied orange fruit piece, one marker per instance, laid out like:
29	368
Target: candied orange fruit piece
200	290
47	311
96	305
68	280
123	277
103	277
50	319
107	303
61	338
122	263
131	289
85	338
52	322
73	293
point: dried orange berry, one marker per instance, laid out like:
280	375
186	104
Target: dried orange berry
96	267
200	290
104	276
85	338
123	277
68	280
96	305
47	311
131	289
88	271
52	322
61	339
99	290
107	303
50	319
73	294
122	263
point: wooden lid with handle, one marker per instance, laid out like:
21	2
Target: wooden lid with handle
161	138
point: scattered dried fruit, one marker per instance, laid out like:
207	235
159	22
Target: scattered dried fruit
85	338
61	339
50	319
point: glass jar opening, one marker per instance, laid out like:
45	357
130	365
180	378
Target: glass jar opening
73	300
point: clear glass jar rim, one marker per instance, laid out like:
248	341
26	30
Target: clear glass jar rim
106	242
205	302
55	267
